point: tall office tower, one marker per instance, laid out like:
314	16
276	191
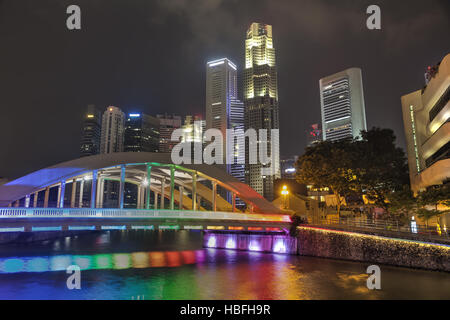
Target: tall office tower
223	108
167	124
342	105
426	120
92	131
141	133
261	103
113	125
193	129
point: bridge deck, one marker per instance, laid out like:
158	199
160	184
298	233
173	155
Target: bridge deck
61	219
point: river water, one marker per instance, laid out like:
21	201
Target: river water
173	265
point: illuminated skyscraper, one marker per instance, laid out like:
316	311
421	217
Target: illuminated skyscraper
342	105
225	111
113	126
261	102
141	133
167	124
223	108
92	130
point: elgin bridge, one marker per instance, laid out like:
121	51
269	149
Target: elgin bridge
142	191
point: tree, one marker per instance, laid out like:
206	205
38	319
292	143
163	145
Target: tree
381	166
433	196
328	164
402	204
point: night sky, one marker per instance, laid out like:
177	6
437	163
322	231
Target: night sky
150	56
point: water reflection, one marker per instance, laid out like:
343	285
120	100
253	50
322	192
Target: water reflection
118	261
172	265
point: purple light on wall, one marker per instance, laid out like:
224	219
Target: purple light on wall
231	244
254	246
211	241
279	246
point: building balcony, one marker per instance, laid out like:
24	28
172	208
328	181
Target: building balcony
436	174
440	137
439	119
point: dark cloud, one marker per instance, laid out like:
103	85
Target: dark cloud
150	55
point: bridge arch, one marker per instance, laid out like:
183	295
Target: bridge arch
159	184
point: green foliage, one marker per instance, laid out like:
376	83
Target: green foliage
402	204
373	166
328	164
296	221
435	195
382	167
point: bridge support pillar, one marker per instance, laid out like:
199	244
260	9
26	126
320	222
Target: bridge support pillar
172	187
74	192
180	203
194	191
99	195
233	202
94	188
155	200
27	201
47	193
149	175
139	196
61	192
214	196
163	189
122	186
35	199
80	204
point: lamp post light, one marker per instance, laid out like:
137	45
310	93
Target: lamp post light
285	193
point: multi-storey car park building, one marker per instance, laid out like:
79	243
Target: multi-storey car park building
261	102
342	105
426	115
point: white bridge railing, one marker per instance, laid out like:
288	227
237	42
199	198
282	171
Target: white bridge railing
14	213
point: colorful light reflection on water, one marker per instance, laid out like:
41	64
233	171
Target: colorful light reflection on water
116	261
173	265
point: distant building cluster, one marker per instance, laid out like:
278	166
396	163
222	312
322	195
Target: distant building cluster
114	131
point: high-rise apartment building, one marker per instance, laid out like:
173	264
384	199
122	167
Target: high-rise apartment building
342	105
426	119
113	126
261	103
92	131
167	124
141	133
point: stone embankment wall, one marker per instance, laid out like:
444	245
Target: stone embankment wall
343	245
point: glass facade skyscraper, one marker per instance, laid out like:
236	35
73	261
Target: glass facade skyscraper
92	130
141	133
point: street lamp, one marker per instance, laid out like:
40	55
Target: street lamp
285	193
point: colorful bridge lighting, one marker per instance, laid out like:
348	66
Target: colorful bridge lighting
212	241
231	243
254	246
279	246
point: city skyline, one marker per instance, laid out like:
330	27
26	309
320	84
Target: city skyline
124	85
